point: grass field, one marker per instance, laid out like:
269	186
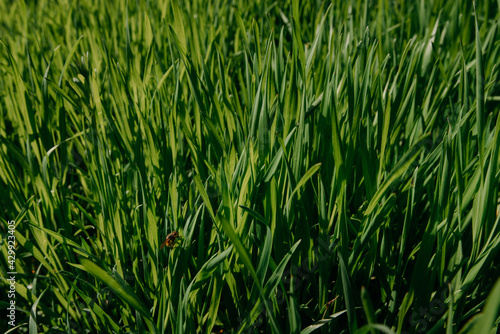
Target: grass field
329	168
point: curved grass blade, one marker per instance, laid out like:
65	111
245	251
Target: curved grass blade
32	322
396	173
125	292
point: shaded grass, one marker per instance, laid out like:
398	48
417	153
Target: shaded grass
333	166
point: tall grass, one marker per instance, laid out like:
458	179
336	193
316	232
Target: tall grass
329	167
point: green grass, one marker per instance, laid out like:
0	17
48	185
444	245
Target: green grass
330	168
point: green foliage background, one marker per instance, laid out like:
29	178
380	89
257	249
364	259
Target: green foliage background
330	167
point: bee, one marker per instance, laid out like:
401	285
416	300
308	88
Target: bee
170	240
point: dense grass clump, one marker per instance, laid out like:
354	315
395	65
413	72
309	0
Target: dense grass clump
329	167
